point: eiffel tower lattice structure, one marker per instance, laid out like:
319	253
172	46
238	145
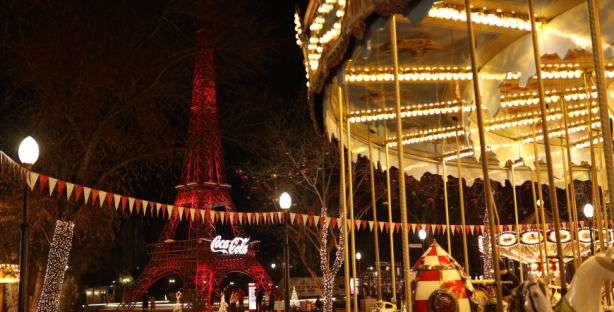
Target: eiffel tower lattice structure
204	188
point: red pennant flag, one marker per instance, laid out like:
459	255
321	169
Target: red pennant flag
428	228
438	228
322	221
477	230
217	216
458	229
515	227
467	229
78	191
418	226
163	207
245	218
61	185
95	196
398	226
298	218
175	212
137	203
110	200
387	225
124	201
310	219
151	206
43	179
334	222
486	228
364	225
505	228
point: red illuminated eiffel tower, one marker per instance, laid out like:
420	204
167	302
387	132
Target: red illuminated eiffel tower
204	188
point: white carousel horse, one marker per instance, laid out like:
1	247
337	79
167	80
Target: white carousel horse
534	298
585	291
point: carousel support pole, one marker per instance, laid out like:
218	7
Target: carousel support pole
394	277
606	132
484	158
343	202
462	199
352	222
379	276
603	190
445	197
594	176
517	227
573	249
402	196
539	237
542	105
573	217
539	210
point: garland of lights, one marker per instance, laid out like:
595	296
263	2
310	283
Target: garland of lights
56	266
329	274
486	254
294	300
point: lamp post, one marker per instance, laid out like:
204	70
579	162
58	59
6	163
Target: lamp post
285	202
589	211
358	257
28	154
422	235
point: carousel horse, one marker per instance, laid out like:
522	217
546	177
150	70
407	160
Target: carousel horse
530	296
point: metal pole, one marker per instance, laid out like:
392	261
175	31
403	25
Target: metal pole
539	211
595	27
484	158
517	227
25	243
539	237
346	257
394	276
605	210
542	106
353	225
402	196
573	249
573	217
445	196
461	189
379	276
287	262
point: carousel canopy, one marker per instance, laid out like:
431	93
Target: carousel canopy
347	49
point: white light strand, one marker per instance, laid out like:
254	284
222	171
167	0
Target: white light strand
408	111
429	135
298	28
483	16
56	266
560	130
465	152
316	43
410	74
524	119
584	142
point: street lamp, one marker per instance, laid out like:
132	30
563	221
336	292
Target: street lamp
589	211
422	235
273	265
358	256
285	201
28	154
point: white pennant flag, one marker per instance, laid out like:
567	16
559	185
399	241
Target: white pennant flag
453	228
169	209
202	215
472	228
117	199
381	226
249	218
304	218
130	203
86	194
192	211
482	229
32	179
292	217
52	182
371	225
69	188
327	221
158	205
223	216
101	197
257	218
232	217
317	219
212	216
433	226
144	203
413	228
279	217
444	227
241	218
180	213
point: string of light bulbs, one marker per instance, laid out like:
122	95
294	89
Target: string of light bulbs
316	43
483	16
524	119
531	98
428	135
584	142
410	74
464	152
407	111
560	130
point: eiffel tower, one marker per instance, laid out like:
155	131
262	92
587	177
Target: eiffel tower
204	187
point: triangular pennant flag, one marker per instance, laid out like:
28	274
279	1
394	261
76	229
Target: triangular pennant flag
151	208
371	226
130	203
381	226
52	183
176	212
397	226
387	227
138	206
43	179
102	197
433	226
428	228
32	180
118	199
468	229
304	218
334	221
582	224
69	188
364	224
280	217
472	229
145	204
124	201
413	228
292	217
298	218
163	208
439	229
249	218
323	221
458	229
328	221
223	216
445	227
86	194
310	218
78	191
192	211
169	209
232	217
202	215
158	205
180	210
61	186
485	228
452	229
94	195
241	218
317	220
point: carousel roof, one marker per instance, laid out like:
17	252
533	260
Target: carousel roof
352	42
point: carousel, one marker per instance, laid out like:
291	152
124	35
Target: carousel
503	91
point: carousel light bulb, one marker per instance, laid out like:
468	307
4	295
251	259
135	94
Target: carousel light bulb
588	211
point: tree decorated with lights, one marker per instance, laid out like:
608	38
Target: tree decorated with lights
294	303
223	304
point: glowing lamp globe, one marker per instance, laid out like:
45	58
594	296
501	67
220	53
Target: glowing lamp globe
358	255
28	151
539	202
422	234
285	201
273	265
588	211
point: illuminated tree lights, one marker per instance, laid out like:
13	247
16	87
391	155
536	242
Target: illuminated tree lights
56	266
294	300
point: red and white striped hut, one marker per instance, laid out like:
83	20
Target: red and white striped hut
439	283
